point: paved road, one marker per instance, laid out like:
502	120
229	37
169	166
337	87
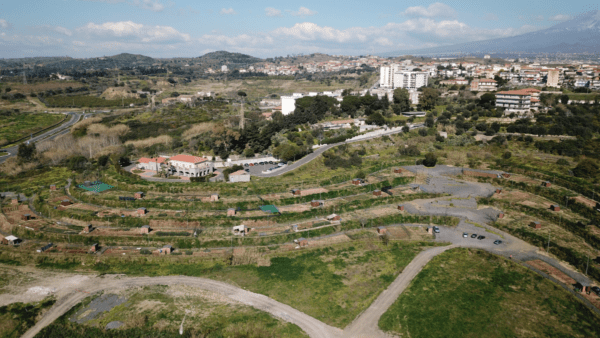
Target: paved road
306	159
60	130
313	327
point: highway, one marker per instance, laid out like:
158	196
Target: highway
49	135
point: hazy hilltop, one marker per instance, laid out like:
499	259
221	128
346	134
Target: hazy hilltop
220	58
579	35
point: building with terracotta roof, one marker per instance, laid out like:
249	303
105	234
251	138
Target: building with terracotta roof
518	100
239	176
190	166
155	163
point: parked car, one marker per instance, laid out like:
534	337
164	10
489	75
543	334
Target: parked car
480	237
497	242
270	162
247	170
261	163
251	164
246	164
596	290
474	236
436	230
465	235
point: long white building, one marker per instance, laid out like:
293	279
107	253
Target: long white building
288	103
392	77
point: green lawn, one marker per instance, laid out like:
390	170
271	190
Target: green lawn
16	126
471	293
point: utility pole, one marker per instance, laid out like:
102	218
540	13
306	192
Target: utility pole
587	266
548	243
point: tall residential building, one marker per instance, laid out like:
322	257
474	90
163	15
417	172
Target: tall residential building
386	76
410	80
553	78
484	85
514	100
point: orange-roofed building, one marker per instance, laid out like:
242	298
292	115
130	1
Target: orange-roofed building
518	100
190	166
151	163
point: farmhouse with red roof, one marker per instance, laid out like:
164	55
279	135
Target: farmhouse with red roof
190	166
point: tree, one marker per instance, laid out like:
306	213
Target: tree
429	98
507	155
429	121
487	99
175	94
422	132
103	160
405	129
376	118
586	169
411	150
564	99
77	162
401	100
7	89
26	152
430	160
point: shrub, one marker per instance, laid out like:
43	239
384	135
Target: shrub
507	155
423	132
586	169
430	160
562	161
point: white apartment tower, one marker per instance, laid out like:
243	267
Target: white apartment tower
410	80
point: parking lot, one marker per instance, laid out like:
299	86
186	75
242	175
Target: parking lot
259	168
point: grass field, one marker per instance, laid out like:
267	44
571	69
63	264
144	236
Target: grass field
158	311
471	293
16	126
16	318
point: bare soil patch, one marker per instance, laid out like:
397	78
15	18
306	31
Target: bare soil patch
552	271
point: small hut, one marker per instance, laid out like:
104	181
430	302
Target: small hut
139	194
87	228
231	212
498	191
94	247
357	181
142	211
501	215
555	207
65	203
145	229
398	171
214	197
377	192
381	230
25	217
546	184
317	203
53	187
400	207
302	242
535	225
296	192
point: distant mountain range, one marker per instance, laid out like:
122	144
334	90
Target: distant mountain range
579	35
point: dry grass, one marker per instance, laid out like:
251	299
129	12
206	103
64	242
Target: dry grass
164	139
85	123
198	129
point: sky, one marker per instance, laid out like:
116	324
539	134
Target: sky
185	28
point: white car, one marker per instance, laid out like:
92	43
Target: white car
465	235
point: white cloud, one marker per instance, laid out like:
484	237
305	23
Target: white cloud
132	30
270	11
227	11
5	24
303	11
384	42
154	6
437	9
56	29
560	17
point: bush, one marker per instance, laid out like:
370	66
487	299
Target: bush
562	161
586	169
423	132
507	155
430	160
410	151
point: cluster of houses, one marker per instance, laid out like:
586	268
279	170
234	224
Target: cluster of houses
179	165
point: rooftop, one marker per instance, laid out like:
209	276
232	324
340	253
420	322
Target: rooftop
188	158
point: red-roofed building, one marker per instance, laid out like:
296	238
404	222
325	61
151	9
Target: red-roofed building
190	166
151	163
518	100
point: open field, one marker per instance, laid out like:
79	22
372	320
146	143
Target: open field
160	310
18	125
475	294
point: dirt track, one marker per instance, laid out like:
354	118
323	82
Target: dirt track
311	326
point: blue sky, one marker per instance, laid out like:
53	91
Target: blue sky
183	28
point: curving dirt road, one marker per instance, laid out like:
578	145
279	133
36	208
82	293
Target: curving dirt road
366	325
313	327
